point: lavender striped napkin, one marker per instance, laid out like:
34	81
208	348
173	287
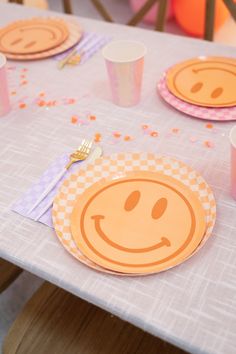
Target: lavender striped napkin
89	45
24	204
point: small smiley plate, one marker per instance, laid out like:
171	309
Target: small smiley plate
134	213
204	81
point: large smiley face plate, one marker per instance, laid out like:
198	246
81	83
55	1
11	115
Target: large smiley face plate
204	81
110	167
33	35
141	223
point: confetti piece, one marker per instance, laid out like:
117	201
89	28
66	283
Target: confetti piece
193	139
209	126
24	70
74	119
175	130
208	144
24	82
13	93
154	134
22	76
92	117
117	134
70	101
41	94
97	137
41	103
127	138
22	105
144	127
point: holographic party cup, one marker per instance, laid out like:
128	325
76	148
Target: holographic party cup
232	137
4	96
125	61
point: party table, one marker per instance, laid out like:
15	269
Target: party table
192	305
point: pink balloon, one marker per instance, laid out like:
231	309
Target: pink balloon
151	15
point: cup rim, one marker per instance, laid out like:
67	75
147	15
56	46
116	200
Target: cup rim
124	41
232	141
3	60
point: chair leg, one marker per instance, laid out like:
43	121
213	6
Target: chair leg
101	9
67	6
161	15
9	272
209	20
231	6
141	13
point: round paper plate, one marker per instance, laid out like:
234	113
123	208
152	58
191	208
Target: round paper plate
209	113
75	34
204	81
143	222
33	35
114	167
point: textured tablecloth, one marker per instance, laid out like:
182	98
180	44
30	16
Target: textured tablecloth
192	305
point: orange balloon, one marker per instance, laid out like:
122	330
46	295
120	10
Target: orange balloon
190	15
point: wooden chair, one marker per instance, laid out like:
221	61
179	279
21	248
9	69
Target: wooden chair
54	321
9	272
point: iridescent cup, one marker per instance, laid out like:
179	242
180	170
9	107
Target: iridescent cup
232	137
125	62
4	95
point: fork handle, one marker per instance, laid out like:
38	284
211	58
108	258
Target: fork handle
69	164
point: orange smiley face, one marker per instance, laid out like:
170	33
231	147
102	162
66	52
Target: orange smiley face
204	81
142	223
32	36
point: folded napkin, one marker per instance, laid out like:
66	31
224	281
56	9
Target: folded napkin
88	46
24	204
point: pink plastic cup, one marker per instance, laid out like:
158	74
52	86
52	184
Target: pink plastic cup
4	95
232	137
125	61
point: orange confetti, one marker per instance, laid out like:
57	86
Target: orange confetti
92	117
97	137
208	144
71	101
24	82
74	120
144	126
175	130
41	103
117	134
42	94
13	93
154	134
22	105
209	126
127	138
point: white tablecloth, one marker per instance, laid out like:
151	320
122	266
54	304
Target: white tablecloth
192	305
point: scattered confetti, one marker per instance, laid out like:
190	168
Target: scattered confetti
24	82
97	137
154	134
41	103
117	134
74	120
70	101
175	130
22	105
23	76
92	117
42	94
144	127
24	70
13	93
127	138
209	126
208	144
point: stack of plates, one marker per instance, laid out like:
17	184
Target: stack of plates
202	87
38	38
134	213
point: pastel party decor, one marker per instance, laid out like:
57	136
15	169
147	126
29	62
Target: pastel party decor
4	95
232	137
190	15
125	62
150	17
204	81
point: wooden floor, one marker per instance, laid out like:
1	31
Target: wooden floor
56	322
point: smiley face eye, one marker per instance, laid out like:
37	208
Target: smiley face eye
159	208
196	87
132	200
217	92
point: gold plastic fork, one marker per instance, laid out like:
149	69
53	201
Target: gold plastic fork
79	155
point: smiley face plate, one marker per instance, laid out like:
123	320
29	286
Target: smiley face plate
141	223
204	81
33	35
137	200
